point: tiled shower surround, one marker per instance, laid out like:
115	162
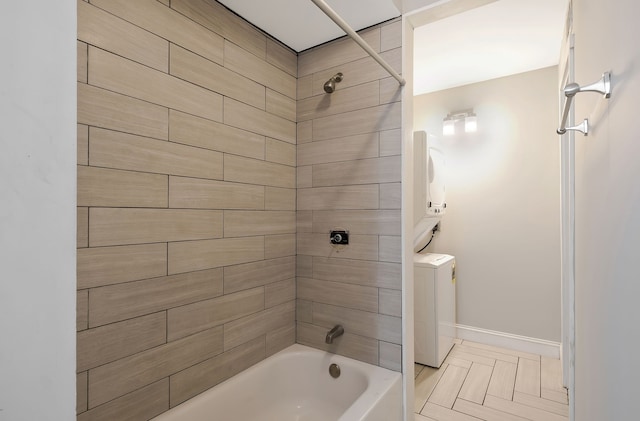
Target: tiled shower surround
348	176
190	220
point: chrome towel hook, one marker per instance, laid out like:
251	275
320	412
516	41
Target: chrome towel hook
602	86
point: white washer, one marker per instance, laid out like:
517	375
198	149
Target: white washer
435	307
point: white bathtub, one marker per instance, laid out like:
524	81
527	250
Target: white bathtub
295	385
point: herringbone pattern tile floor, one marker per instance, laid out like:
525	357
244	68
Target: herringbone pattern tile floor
480	382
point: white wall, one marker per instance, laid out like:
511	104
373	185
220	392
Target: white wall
407	225
607	212
37	212
502	220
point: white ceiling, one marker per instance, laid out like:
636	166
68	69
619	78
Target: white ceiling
301	25
502	38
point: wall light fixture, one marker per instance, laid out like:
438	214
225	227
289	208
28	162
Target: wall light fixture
469	118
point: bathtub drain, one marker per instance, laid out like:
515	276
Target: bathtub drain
334	370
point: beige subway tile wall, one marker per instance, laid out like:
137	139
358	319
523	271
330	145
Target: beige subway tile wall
186	202
211	167
349	177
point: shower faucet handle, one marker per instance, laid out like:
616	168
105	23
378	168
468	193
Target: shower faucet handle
339	237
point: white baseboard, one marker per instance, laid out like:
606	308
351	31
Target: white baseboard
507	340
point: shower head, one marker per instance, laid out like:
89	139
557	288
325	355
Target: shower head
330	85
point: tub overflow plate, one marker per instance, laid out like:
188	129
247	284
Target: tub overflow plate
334	370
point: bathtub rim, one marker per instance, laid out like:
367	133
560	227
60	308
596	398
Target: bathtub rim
382	384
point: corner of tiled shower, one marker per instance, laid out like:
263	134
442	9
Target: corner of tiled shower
211	167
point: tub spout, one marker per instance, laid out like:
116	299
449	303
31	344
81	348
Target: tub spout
337	330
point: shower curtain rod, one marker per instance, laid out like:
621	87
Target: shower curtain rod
357	38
